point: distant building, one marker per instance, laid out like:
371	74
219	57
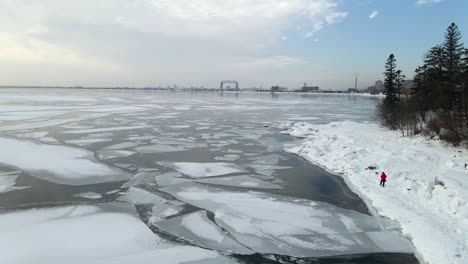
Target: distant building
353	90
377	88
379	85
308	89
277	88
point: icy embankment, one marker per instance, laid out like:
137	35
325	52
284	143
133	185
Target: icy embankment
426	189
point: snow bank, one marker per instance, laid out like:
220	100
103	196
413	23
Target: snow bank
59	164
426	190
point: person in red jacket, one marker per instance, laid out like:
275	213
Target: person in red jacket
383	179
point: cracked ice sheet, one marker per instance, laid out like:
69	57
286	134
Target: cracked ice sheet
198	229
146	177
104	234
200	170
105	129
164	209
112	154
170	178
263	223
159	149
18	116
241	181
140	196
59	164
7	180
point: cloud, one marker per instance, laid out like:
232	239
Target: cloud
428	2
156	39
374	14
335	17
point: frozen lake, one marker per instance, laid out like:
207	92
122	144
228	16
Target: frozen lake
206	172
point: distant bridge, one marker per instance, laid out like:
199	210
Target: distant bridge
236	88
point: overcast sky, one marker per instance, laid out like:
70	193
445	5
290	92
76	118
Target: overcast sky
201	42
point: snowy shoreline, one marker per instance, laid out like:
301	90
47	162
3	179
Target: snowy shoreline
425	191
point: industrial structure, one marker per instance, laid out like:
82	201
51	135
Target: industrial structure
308	89
277	88
228	88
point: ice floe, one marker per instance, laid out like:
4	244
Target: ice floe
7	180
198	229
164	209
140	196
170	178
141	178
59	164
87	141
104	129
159	149
112	154
200	170
89	195
18	116
104	234
241	181
123	145
229	157
274	224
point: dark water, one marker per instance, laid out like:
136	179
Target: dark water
233	124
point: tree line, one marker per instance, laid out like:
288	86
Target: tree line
438	104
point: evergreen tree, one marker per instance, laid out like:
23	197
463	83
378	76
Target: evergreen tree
390	85
465	90
434	61
453	56
419	91
399	81
433	96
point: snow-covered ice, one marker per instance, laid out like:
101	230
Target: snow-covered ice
89	195
164	209
198	229
104	234
112	154
7	180
104	129
87	141
426	189
170	178
141	178
140	196
59	164
123	145
228	157
263	223
200	170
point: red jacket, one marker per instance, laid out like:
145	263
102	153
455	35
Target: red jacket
383	177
